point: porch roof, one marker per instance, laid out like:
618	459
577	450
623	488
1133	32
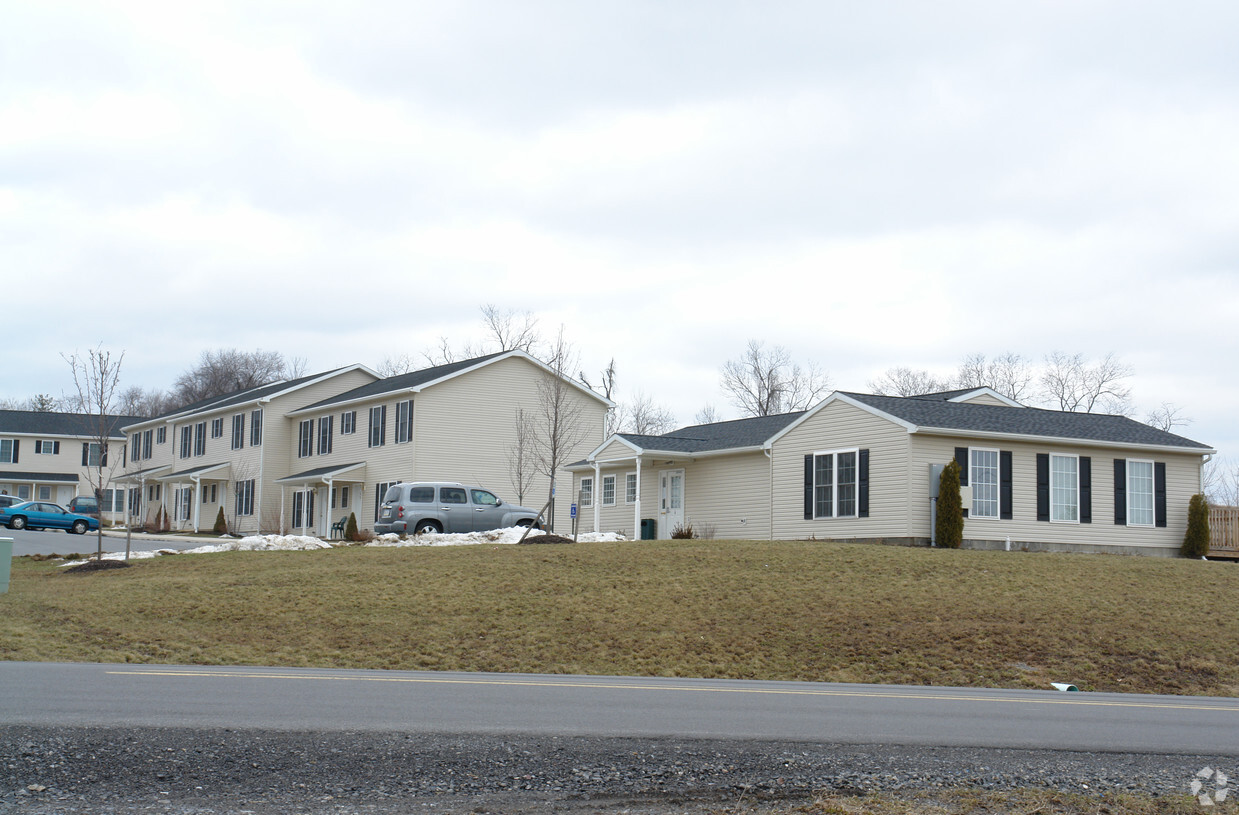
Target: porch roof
60	478
193	471
320	473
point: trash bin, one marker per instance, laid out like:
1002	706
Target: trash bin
6	563
649	529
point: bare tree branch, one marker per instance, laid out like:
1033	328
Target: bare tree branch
1009	374
522	461
907	382
1167	417
96	377
559	425
229	370
1072	384
646	418
707	415
766	382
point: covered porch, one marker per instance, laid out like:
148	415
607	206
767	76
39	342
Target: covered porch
321	499
186	491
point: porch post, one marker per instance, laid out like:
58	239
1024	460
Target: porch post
597	496
636	520
280	531
197	499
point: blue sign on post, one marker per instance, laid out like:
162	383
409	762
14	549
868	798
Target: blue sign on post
572	511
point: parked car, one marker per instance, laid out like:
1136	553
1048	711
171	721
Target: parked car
9	500
45	515
420	507
85	505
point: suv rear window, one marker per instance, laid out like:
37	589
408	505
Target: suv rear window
421	495
392	495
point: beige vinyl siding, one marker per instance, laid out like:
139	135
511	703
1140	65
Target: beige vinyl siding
730	494
838	426
67	462
984	399
614	450
1182	481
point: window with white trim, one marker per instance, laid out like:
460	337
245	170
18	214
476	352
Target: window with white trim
46	447
305	438
404	421
245	497
630	488
135	447
8	447
835	484
161	436
1065	488
217	427
146	441
983	477
256	428
608	490
586	492
325	425
200	439
187	441
348	423
378	426
238	431
1139	493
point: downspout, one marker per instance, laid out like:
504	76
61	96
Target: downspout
327	506
1208	457
262	458
597	496
281	529
636	521
770	492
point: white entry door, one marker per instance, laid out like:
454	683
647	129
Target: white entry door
670	502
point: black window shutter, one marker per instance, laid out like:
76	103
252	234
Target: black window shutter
862	484
808	488
1086	490
56	448
1159	493
85	453
961	458
1120	492
1005	492
1043	486
16	445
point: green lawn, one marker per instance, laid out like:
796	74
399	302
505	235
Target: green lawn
757	610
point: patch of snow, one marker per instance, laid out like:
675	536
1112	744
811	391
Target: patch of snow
510	535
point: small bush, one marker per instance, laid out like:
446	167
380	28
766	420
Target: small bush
1196	539
949	528
350	529
221	525
706	531
682	531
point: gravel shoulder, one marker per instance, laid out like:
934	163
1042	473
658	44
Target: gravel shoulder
196	772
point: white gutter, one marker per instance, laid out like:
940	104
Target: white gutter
985	434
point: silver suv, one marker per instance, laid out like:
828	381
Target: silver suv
420	507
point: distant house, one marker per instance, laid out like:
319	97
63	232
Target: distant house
48	457
862	467
302	455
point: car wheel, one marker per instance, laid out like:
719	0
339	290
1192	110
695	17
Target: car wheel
427	528
527	522
18	522
79	528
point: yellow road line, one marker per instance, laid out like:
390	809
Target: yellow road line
1055	700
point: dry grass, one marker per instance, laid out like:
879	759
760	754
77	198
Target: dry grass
782	610
976	802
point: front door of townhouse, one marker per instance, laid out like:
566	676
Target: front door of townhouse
670	502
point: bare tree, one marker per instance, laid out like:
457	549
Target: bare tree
1167	417
707	415
228	370
1009	374
606	385
403	363
135	401
39	403
1071	383
646	418
559	426
907	382
522	461
96	377
511	330
766	382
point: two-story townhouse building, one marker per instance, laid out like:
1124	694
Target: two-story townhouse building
54	457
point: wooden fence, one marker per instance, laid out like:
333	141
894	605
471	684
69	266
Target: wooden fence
1224	532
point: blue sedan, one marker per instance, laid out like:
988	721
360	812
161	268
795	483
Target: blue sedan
42	515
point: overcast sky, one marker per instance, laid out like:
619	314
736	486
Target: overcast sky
869	185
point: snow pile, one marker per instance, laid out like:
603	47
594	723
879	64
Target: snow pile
289	543
510	535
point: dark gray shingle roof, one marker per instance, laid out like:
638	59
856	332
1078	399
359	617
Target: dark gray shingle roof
1026	421
34	422
403	381
701	438
243	396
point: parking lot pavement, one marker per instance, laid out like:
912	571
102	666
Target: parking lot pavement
56	542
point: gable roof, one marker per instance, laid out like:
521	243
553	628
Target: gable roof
36	422
927	415
417	380
716	437
963	394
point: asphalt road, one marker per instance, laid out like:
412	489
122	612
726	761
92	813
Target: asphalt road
58	542
46	694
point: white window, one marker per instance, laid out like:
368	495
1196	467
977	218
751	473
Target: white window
608	490
8	449
135	447
217	427
404	421
1139	493
200	439
344	497
1065	489
348	423
161	436
187	441
46	447
245	497
834	484
586	492
325	425
91	454
983	476
630	488
256	428
378	426
146	440
45	493
305	438
238	431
